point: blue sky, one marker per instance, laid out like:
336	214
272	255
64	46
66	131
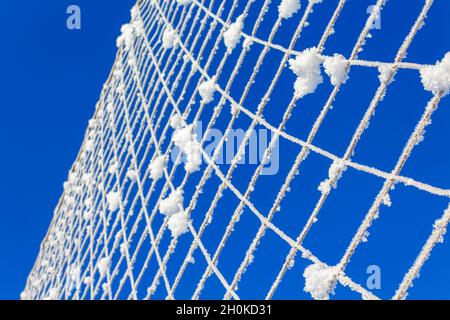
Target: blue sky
53	80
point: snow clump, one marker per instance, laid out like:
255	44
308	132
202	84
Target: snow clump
232	36
320	281
306	67
436	78
336	69
288	8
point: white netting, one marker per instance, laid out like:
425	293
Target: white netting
108	239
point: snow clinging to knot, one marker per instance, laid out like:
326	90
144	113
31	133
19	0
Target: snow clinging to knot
169	38
232	36
172	204
437	78
178	223
113	199
336	69
157	168
306	67
320	281
206	91
186	141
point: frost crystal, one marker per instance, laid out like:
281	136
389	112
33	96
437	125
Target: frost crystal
113	199
206	90
319	281
232	36
307	68
157	168
336	69
437	78
178	223
288	8
172	204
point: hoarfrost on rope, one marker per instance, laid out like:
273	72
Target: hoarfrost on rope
306	67
206	91
288	8
113	199
172	204
232	36
320	281
336	69
436	78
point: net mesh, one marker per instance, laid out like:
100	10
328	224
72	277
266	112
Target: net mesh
107	239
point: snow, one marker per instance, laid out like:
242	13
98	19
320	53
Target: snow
24	295
384	71
336	68
87	280
178	223
126	37
75	273
134	12
172	204
89	145
288	8
193	155
177	121
138	27
87	215
169	38
103	266
157	168
206	90
232	36
307	68
319	281
113	199
110	107
247	43
132	174
113	167
334	174
436	78
186	141
53	294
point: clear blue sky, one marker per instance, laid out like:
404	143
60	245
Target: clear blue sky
52	82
